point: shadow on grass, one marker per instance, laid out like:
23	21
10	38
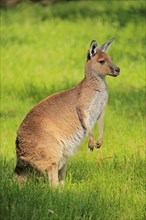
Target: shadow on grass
129	102
102	11
78	198
82	168
73	11
37	198
36	94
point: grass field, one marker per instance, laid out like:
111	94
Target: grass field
43	50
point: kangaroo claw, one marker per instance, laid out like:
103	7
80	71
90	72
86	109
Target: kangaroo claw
98	144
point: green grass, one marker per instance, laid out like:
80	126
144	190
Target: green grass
43	50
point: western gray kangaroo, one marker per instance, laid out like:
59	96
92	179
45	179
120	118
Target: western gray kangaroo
55	127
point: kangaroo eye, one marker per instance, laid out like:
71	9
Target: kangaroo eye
101	61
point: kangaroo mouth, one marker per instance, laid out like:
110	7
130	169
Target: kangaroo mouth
114	74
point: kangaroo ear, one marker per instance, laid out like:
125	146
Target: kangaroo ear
92	50
105	46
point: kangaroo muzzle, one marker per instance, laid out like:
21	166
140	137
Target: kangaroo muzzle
115	71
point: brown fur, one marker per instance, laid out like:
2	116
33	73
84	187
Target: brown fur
51	130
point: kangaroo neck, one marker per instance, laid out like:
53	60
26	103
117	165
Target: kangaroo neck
95	81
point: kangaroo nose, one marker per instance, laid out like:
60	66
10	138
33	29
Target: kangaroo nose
117	69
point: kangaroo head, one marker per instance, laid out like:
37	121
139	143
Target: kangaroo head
98	62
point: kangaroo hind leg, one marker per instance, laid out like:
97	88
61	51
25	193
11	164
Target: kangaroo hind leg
62	174
53	174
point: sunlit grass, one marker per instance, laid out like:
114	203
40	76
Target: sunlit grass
43	50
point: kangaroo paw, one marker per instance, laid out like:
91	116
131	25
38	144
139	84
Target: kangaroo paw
91	144
98	143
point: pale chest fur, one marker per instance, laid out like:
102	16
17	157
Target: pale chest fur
96	106
93	109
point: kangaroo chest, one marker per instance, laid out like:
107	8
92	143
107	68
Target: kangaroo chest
96	106
92	109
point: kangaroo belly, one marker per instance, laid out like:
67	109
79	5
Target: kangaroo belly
73	141
70	145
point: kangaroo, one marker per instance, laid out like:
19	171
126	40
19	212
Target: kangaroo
55	127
